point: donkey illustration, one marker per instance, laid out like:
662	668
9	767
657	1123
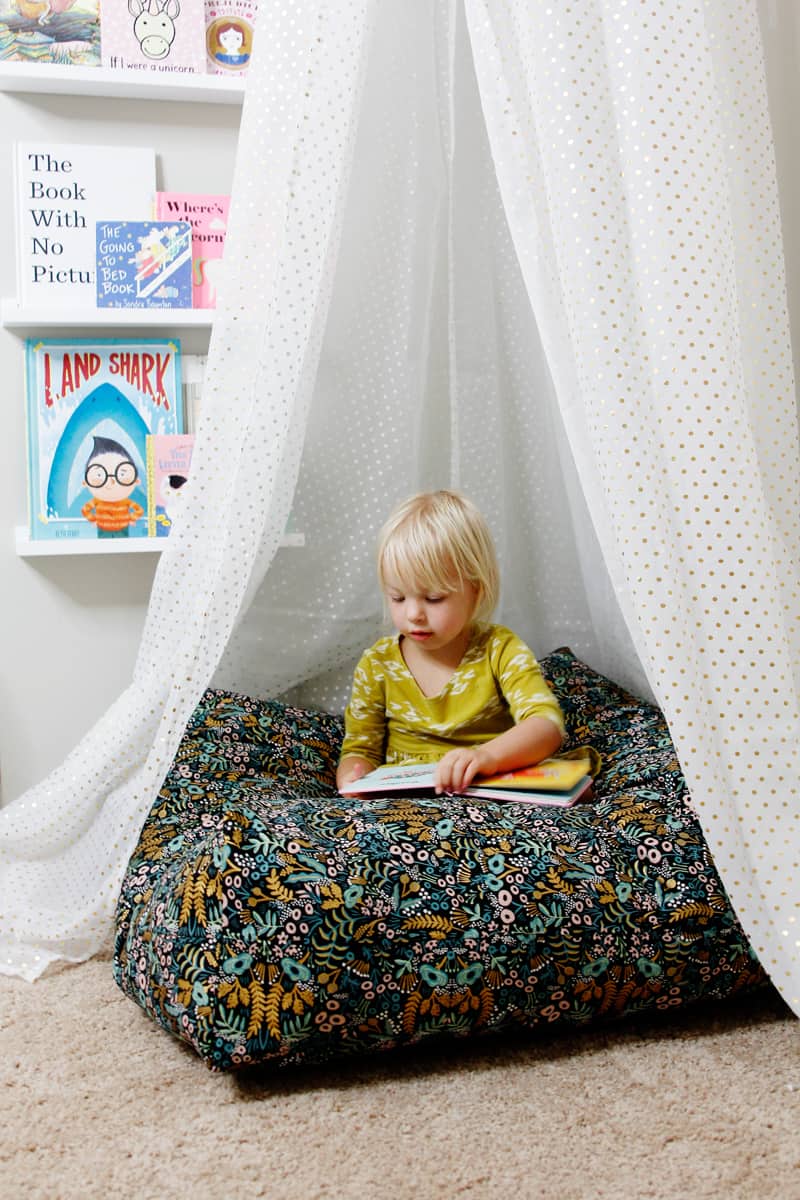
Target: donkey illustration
154	25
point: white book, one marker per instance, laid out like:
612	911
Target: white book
60	192
553	781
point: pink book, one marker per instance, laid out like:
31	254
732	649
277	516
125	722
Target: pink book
208	217
169	457
164	37
230	25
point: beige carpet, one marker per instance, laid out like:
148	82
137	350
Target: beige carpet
95	1101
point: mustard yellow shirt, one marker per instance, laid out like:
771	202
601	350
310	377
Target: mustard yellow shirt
497	684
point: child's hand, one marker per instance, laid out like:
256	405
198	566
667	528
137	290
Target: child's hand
349	770
458	768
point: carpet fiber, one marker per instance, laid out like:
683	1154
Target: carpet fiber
97	1101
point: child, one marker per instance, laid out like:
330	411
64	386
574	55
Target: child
449	687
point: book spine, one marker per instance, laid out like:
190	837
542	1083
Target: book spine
150	466
30	438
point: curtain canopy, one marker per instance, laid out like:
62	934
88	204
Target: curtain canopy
531	251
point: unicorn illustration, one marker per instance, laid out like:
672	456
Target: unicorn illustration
154	25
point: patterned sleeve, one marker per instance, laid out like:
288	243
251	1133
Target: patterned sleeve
520	679
365	715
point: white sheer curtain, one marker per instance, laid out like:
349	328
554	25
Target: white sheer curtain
531	250
635	160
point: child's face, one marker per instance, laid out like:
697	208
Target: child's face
432	620
231	40
111	477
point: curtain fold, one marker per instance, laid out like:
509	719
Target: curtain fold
65	843
635	160
532	251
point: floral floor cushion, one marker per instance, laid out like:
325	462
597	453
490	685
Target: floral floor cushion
263	917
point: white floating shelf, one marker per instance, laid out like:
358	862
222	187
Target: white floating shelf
38	320
49	79
27	548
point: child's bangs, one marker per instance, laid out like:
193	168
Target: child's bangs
419	569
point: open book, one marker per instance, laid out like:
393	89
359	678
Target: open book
559	781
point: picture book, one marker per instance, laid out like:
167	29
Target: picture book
208	217
166	37
61	191
169	457
91	405
554	781
229	30
65	32
144	264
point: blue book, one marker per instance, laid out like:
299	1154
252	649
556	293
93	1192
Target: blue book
91	406
144	264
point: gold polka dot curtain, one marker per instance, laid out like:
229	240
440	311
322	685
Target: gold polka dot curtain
531	250
635	160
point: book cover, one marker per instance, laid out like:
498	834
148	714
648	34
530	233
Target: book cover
169	457
91	405
229	31
61	191
554	781
208	217
144	264
166	37
549	775
65	32
582	790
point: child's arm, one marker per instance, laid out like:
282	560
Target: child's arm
538	726
364	725
524	744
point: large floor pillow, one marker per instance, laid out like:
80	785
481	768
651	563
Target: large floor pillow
262	917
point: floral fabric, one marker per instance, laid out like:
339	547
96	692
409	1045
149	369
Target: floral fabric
263	917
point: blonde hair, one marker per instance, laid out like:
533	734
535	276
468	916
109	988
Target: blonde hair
438	541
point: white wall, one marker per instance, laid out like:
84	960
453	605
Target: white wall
70	626
780	29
